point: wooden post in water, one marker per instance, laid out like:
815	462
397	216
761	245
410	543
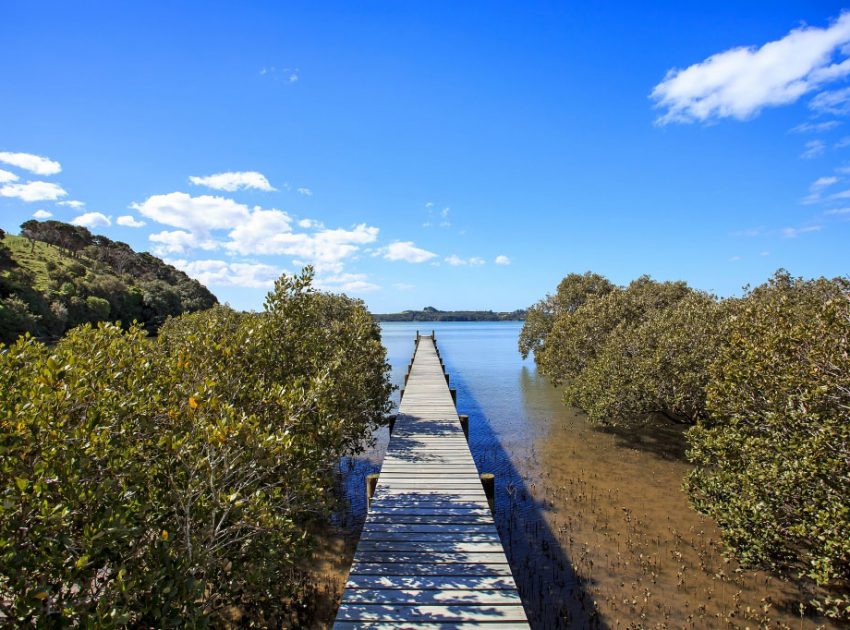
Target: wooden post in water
392	423
488	480
371	484
464	424
453	392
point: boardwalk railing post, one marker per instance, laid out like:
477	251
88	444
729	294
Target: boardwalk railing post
464	424
453	392
488	480
371	484
446	374
392	423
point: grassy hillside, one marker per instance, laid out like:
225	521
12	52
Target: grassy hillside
55	276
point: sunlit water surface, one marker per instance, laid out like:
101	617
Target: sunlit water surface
594	522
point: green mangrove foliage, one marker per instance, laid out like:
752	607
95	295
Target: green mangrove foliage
173	481
765	382
773	452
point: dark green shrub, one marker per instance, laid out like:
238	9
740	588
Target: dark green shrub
156	483
773	454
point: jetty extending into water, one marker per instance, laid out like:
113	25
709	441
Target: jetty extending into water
429	555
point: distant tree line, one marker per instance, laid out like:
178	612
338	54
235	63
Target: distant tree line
764	381
431	314
56	276
177	481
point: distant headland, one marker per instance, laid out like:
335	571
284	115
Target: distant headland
431	314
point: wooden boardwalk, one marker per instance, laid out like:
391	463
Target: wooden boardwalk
429	555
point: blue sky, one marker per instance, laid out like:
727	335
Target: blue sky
460	155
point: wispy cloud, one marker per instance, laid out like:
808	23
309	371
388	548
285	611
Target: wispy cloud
835	102
33	191
234	180
817	187
92	220
813	148
740	82
404	286
456	261
37	164
502	260
791	232
71	204
305	191
838	211
288	75
809	127
406	251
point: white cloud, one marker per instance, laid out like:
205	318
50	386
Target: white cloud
42	214
406	251
429	204
32	163
404	286
347	282
7	176
843	143
234	180
820	127
790	232
198	214
502	260
270	232
180	242
256	231
838	211
764	253
33	191
740	82
129	221
734	259
456	261
445	212
71	204
305	191
223	273
813	148
310	223
92	220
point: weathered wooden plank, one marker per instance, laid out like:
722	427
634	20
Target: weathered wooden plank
403	568
492	546
424	597
426	582
432	557
443	614
418	625
425	537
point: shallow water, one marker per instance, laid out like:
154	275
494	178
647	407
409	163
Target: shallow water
594	522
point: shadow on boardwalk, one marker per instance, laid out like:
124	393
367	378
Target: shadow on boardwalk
553	595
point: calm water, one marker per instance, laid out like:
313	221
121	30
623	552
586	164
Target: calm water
594	522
